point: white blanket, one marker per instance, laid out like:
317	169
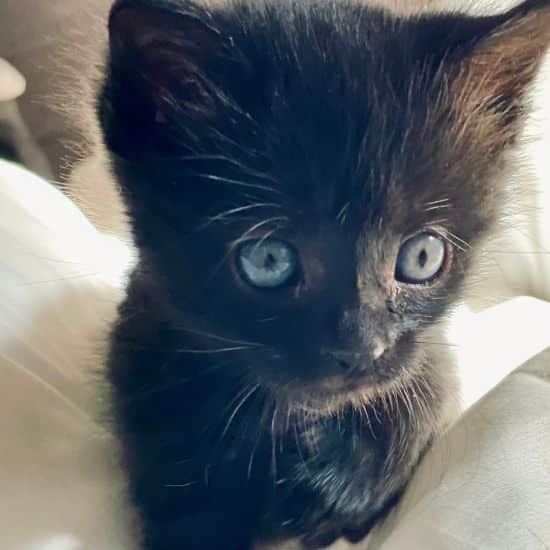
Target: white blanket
59	285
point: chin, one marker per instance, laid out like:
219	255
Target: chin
351	454
352	443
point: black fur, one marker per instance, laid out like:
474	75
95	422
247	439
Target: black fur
347	128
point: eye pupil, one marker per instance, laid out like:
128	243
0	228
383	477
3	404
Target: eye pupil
422	258
270	261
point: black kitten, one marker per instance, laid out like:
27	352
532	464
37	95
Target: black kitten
308	183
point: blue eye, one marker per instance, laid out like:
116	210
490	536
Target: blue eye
420	259
267	264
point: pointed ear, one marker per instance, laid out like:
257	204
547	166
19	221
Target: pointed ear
159	85
504	59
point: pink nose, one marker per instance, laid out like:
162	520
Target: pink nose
353	360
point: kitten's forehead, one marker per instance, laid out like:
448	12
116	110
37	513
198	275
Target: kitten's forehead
339	111
349	127
341	106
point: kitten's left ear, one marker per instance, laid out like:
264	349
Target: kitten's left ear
168	65
506	56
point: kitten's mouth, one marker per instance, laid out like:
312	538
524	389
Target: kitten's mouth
331	395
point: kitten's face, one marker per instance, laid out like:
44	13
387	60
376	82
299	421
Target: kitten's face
306	182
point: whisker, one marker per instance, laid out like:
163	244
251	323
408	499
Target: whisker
299	445
274	443
255	227
217	337
180	485
437	207
458	239
227	213
253	454
367	418
216	350
437	202
343	214
437	221
240	183
266	236
238	407
224	138
268	319
246	169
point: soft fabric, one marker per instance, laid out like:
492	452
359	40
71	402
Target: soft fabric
59	285
486	484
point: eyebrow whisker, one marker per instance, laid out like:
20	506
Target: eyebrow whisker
230	212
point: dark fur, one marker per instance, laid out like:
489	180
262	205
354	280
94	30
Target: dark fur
350	129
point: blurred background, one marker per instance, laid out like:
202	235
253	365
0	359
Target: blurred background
46	41
49	41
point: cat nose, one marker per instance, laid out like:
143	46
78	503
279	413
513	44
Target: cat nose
354	361
378	348
347	361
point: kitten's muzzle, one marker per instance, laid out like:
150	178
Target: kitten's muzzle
353	362
345	360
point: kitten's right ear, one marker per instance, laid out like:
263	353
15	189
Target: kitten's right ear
506	57
158	86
